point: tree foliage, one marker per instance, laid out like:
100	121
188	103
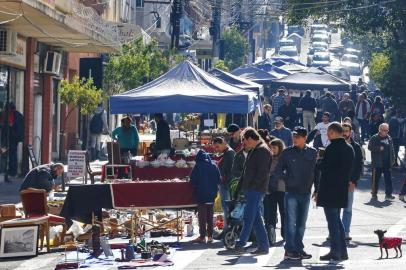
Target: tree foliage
81	93
379	26
221	65
235	48
378	67
137	64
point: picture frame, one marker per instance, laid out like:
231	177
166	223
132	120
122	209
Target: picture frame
19	241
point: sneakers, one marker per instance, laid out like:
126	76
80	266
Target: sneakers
199	240
239	250
389	197
292	256
304	255
374	196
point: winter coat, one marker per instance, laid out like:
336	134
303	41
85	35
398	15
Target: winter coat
257	169
377	156
205	178
335	170
275	184
265	121
289	115
358	163
40	177
238	165
225	165
163	138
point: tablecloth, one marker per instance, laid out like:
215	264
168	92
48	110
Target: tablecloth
152	195
161	173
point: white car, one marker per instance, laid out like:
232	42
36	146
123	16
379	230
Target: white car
290	51
320	38
319	44
321	59
350	58
352	51
311	53
315	27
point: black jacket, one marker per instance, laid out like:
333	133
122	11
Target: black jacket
40	177
358	163
163	137
296	167
289	115
307	103
335	169
264	121
257	169
225	165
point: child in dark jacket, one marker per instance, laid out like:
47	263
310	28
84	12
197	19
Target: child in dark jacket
205	178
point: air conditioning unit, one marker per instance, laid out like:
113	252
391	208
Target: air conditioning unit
52	63
8	41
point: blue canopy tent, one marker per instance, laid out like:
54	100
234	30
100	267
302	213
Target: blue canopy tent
313	79
183	89
269	67
237	81
256	75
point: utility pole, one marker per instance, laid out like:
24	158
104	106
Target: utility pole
175	21
216	28
264	35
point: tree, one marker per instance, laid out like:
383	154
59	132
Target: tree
137	64
378	67
221	65
235	48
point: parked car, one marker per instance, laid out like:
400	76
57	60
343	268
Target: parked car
321	59
324	33
311	53
349	59
320	38
315	27
340	72
290	51
352	51
320	44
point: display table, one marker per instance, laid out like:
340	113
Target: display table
161	173
83	200
147	195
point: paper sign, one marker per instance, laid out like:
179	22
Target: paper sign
208	122
76	163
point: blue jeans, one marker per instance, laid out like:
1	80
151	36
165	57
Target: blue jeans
225	196
253	220
296	210
347	213
336	231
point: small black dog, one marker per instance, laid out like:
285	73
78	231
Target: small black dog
389	242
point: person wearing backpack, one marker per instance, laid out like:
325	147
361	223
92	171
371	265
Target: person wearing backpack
97	126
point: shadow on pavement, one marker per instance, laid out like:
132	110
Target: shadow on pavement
378	204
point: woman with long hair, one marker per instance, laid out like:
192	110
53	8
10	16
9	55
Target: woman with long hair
276	196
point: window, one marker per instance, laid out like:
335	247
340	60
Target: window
139	3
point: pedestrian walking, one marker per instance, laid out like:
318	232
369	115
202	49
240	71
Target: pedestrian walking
265	119
296	166
377	107
395	133
288	112
383	158
308	106
275	198
322	129
97	126
282	132
346	105
205	178
255	181
355	175
163	142
375	122
225	165
278	101
332	192
362	111
330	105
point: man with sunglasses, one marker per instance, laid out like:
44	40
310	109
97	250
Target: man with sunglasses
383	159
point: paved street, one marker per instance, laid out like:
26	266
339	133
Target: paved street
363	250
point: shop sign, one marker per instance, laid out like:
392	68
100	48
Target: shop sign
20	58
76	163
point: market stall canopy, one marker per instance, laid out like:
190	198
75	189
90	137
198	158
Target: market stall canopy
256	75
183	89
237	81
269	67
313	79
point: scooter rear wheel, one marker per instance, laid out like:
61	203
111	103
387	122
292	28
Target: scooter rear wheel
230	239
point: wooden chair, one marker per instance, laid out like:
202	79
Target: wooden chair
89	170
31	154
35	206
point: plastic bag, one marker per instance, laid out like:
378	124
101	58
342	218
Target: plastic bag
238	211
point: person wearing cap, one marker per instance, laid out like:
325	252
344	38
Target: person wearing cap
42	177
281	132
127	136
163	136
297	167
308	105
235	137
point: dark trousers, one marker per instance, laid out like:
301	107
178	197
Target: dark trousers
205	214
336	231
376	175
364	128
12	162
396	146
403	188
271	203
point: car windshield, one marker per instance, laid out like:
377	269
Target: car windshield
321	57
350	58
289	53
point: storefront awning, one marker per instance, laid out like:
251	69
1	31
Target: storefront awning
65	24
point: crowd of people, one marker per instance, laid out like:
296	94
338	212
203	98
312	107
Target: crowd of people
287	163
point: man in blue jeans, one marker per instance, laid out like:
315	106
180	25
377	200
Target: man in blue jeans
296	166
332	192
254	184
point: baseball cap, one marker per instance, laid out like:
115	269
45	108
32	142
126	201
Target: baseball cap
278	119
233	128
300	131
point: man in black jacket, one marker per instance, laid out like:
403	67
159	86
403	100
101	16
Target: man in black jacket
332	193
308	105
296	166
356	171
288	113
42	177
163	137
225	165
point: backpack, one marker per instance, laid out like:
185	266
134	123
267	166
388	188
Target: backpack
96	124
